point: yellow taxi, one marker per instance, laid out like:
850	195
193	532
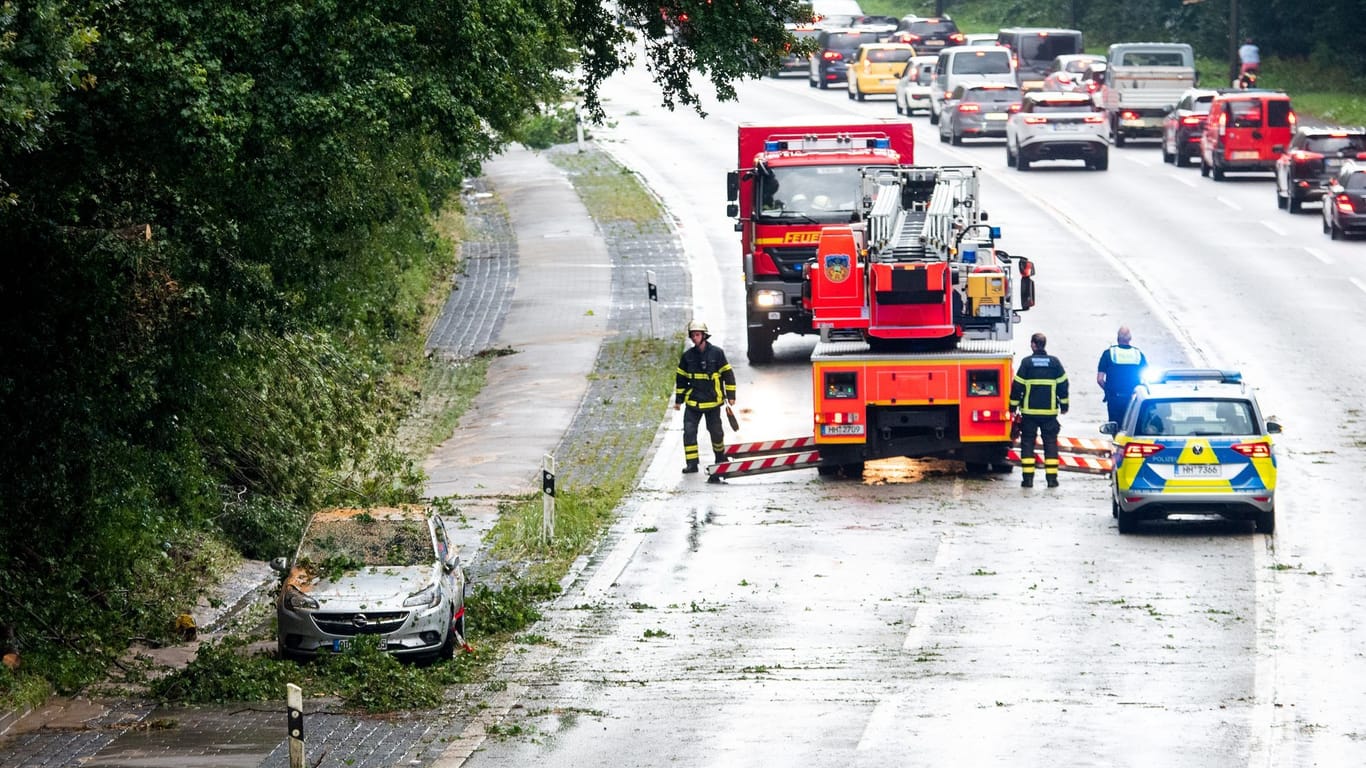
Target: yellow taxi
876	67
1194	442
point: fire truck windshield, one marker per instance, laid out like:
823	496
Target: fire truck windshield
809	193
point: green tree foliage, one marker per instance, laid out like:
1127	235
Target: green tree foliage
214	222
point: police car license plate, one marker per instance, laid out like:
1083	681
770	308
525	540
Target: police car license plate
1197	470
835	430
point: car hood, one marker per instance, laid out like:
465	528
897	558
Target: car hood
368	587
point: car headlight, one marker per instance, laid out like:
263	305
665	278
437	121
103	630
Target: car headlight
299	601
426	598
768	298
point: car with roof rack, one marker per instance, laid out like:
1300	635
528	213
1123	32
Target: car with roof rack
1193	441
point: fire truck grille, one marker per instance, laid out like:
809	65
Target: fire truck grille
790	260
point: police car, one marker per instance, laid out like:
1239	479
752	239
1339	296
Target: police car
1194	442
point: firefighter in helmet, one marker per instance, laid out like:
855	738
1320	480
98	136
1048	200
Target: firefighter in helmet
1038	395
703	381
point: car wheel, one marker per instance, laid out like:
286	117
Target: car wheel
1128	521
1167	157
1021	164
860	94
810	83
1204	169
1334	231
943	137
1010	157
1181	160
852	470
1294	204
1216	173
1266	521
957	140
934	117
1325	224
823	85
827	470
1114	506
850	93
899	109
1281	202
976	467
1102	161
1119	137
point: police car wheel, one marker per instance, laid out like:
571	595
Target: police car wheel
1128	521
1266	522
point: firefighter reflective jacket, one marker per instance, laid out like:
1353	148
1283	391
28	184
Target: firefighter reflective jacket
704	378
1040	386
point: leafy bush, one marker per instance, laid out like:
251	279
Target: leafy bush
512	608
262	527
544	130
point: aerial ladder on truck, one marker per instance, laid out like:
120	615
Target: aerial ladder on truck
915	308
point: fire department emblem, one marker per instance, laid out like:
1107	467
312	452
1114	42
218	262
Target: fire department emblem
837	267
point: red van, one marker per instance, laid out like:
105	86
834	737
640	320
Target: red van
1247	130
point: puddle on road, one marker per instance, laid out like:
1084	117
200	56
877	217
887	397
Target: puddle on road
695	523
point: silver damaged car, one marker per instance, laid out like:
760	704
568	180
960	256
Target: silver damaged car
389	573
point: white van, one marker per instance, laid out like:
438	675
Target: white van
968	65
835	13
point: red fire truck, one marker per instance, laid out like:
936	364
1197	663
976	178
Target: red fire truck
915	308
794	179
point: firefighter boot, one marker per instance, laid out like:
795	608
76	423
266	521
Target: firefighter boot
1027	480
1052	481
690	469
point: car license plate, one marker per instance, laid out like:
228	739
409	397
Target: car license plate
996	116
836	430
1064	127
338	645
1198	470
1244	155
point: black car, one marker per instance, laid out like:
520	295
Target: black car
1183	125
927	35
834	49
1313	158
1344	202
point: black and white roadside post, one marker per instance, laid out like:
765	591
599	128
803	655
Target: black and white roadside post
653	293
294	702
548	499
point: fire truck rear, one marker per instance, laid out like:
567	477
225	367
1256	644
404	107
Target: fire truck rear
794	179
915	306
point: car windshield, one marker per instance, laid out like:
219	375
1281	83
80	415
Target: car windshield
993	95
361	539
982	63
1330	145
1196	417
1077	65
1062	106
1201	106
933	27
893	55
1043	48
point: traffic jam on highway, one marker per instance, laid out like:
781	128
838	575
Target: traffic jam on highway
896	269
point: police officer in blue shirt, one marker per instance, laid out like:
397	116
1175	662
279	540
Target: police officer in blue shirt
1120	369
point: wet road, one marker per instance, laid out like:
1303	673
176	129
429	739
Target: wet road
925	618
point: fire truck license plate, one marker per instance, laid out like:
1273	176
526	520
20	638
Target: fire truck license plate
1197	470
834	430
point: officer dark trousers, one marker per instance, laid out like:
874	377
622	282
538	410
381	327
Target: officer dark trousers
691	417
1047	427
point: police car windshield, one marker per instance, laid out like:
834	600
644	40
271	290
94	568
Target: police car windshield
1195	418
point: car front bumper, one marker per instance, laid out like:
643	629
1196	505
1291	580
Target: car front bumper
404	632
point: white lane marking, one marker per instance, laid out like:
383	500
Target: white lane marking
944	554
1266	725
1320	255
1359	284
881	720
1229	203
1274	228
926	614
1184	179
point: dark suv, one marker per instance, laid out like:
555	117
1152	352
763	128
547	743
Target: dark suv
834	49
927	35
1314	156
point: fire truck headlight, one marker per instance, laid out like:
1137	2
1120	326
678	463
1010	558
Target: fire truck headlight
768	298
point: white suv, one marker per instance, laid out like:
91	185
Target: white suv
1057	126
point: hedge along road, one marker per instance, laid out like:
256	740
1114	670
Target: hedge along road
923	617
